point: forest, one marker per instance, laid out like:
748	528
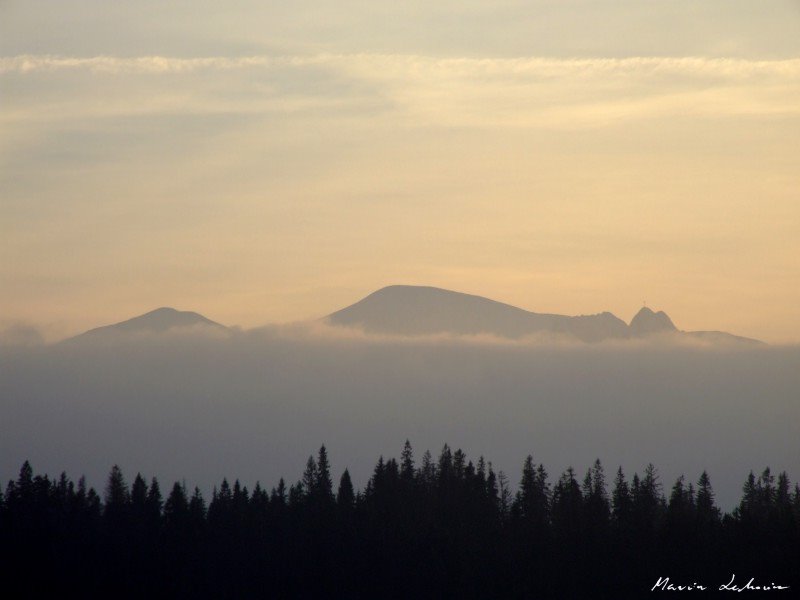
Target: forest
420	528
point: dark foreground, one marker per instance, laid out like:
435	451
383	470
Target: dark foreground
443	528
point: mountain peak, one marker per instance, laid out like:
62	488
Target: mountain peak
160	320
164	310
412	310
423	310
647	322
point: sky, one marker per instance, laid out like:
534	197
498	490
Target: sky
267	162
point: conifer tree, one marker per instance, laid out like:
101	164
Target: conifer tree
765	490
324	484
533	497
505	496
427	472
376	483
296	495
80	495
154	502
567	504
93	504
459	464
60	491
586	487
309	482
445	467
117	496
345	496
197	507
782	494
596	499
239	501
621	507
176	507
138	498
707	512
526	495
681	507
783	521
278	495
748	505
407	463
492	491
23	489
259	500
648	501
677	498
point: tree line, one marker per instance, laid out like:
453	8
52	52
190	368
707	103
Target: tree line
438	528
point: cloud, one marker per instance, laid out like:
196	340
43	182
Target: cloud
412	66
475	92
171	407
138	65
322	332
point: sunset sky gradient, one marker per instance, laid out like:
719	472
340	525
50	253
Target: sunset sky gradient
264	162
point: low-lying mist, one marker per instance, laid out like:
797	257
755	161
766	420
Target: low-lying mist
254	405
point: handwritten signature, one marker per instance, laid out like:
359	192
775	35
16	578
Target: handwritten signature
665	585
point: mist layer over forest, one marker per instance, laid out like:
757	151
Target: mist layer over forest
255	405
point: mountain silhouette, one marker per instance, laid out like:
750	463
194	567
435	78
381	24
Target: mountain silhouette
161	320
418	310
421	310
409	310
646	322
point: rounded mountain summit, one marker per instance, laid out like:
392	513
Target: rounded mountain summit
409	310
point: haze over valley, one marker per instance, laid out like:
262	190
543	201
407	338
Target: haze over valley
175	394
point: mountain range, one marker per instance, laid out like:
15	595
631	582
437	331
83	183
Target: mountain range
408	310
417	310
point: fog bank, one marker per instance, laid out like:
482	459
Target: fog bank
254	405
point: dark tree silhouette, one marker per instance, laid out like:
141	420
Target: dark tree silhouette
447	528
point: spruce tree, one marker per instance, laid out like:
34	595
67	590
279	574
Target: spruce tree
707	512
492	491
681	507
567	505
154	502
176	508
505	496
23	489
117	496
765	491
621	511
796	505
748	505
278	495
459	464
407	463
596	503
445	468
427	472
309	482
197	507
296	495
324	484
139	498
345	496
526	495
